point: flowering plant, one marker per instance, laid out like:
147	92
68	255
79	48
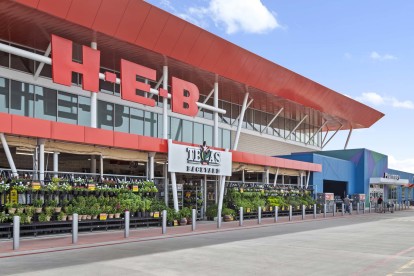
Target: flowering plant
4	187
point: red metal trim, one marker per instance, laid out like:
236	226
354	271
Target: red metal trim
32	127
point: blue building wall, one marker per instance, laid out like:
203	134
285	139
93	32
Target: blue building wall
355	166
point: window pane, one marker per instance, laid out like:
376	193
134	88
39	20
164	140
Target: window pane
4	59
220	138
121	118
105	115
198	134
226	117
160	126
22	64
150	124
208	135
22	99
67	108
187	131
84	109
137	121
226	139
4	95
45	104
176	129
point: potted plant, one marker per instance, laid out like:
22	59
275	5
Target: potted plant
228	214
54	205
62	216
10	208
29	210
211	211
184	213
172	217
19	208
43	217
49	212
38	203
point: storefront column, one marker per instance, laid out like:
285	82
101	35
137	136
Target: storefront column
8	154
174	191
220	202
93	164
151	165
166	184
307	180
266	175
55	164
216	190
236	140
101	166
205	195
276	176
41	143
165	104
216	129
243	176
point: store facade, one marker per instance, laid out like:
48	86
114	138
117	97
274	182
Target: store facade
124	89
358	171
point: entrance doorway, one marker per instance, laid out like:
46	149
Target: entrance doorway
338	188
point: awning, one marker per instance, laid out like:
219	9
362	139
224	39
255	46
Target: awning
387	181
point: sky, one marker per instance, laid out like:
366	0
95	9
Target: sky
362	49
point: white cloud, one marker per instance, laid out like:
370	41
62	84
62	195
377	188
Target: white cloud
376	56
405	165
249	16
376	99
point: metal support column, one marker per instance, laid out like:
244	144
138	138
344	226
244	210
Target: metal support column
41	144
236	140
204	195
101	167
334	210
276	176
165	104
93	164
347	139
314	211
241	216
164	221
220	203
259	215
216	129
296	127
16	232
151	164
303	212
126	229
343	209
174	191
276	213
166	184
8	154
193	219
357	206
55	164
324	210
363	207
75	221
290	212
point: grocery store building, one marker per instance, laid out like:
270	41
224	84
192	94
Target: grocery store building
115	88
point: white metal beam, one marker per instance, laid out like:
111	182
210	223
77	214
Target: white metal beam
174	191
307	179
55	164
165	103
8	154
311	138
347	139
276	175
216	128
326	134
39	69
41	143
330	138
296	127
244	106
238	117
206	99
273	119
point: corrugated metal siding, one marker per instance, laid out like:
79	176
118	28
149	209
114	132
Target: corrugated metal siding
259	145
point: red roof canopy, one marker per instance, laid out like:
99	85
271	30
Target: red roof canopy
140	32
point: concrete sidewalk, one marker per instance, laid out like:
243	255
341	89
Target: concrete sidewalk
31	245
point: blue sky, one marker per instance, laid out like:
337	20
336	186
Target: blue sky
363	49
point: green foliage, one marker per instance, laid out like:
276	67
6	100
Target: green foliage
172	214
52	203
38	203
228	212
43	217
185	212
29	210
211	211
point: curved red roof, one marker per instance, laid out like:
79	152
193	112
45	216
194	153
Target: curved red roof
141	24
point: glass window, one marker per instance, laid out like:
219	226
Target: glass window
160	126
151	124
22	99
46	70
121	118
226	118
220	138
45	103
4	59
137	121
208	135
198	134
176	129
187	131
67	108
4	95
235	112
84	111
22	64
226	139
105	115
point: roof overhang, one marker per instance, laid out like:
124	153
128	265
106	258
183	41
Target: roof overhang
387	181
145	34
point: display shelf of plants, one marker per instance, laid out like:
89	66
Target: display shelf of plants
58	199
251	196
193	198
